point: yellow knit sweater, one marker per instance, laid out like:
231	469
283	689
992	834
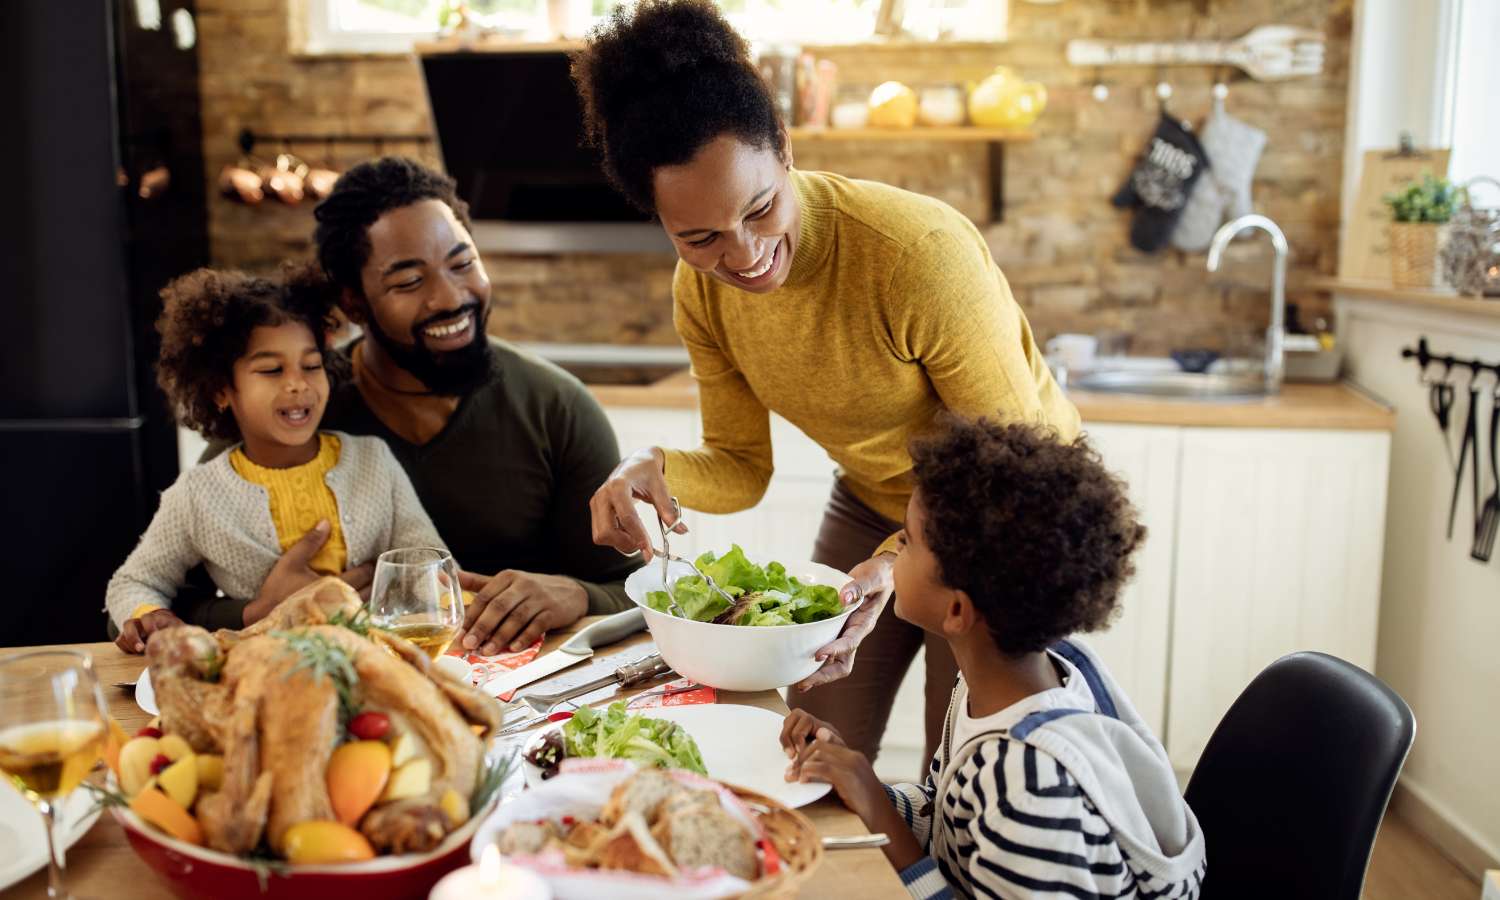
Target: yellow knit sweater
300	497
893	311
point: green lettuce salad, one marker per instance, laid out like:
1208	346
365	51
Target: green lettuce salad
763	595
616	734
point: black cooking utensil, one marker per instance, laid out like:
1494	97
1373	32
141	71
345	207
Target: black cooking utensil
1469	448
1488	523
1440	399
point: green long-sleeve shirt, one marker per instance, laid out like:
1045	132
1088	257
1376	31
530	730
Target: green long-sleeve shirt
507	481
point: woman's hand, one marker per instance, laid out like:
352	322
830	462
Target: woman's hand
511	610
639	476
138	631
871	579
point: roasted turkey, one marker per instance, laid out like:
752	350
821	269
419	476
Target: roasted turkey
269	699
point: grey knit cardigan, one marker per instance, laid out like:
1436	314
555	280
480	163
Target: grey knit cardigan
213	516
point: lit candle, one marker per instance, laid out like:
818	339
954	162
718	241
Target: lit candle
491	879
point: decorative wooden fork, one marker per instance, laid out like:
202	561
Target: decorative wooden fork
1267	53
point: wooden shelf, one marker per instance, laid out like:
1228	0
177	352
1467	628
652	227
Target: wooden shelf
495	45
1424	298
959	133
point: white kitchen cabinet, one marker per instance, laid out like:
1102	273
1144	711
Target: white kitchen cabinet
1135	646
1279	543
1260	542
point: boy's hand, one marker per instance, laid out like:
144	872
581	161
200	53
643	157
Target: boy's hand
136	632
798	728
849	771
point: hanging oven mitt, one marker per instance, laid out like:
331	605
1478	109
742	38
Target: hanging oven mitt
1233	149
1158	187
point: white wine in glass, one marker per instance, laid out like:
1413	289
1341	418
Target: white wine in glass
52	731
416	596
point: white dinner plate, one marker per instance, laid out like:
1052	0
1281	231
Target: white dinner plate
740	745
145	694
21	831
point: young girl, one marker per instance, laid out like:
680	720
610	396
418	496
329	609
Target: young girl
242	359
1047	782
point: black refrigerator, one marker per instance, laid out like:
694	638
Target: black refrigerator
104	202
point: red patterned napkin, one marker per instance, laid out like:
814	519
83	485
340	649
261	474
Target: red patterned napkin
682	692
487	667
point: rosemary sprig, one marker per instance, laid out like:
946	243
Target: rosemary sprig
494	769
105	797
324	658
359	622
265	865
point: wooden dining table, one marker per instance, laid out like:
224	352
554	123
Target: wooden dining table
102	864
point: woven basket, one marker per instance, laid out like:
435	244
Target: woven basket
1414	251
796	841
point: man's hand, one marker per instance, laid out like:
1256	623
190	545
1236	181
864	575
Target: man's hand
293	572
513	609
137	632
872	580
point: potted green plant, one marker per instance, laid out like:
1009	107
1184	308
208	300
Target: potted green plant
1419	213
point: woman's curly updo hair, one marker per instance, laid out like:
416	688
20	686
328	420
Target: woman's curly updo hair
206	320
661	79
1034	529
360	197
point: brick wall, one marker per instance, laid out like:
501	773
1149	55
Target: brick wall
1062	245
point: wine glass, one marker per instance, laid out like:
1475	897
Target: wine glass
52	730
416	596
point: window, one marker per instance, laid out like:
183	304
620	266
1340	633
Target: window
392	26
1473	75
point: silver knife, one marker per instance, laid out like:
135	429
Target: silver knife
575	650
642	670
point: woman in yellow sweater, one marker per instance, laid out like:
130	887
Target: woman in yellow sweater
855	310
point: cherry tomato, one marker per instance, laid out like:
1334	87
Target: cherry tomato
149	732
158	762
370	726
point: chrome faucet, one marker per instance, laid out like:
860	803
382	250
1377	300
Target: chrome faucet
1275	334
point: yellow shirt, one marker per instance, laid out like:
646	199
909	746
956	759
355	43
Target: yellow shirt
300	498
893	311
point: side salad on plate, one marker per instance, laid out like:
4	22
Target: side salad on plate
616	734
764	595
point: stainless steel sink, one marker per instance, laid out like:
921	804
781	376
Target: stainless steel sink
1179	385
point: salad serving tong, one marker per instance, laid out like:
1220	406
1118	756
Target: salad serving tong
667	557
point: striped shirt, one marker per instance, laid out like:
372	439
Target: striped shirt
1013	821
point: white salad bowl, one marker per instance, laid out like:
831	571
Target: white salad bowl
739	657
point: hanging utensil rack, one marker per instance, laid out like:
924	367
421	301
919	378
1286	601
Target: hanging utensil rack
1425	357
248	139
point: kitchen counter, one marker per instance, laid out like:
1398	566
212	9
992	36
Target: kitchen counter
1312	406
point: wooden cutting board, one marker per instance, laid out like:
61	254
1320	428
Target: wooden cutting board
1365	253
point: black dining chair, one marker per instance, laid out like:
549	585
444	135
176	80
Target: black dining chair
1294	781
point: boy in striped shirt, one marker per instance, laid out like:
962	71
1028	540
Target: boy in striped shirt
1047	783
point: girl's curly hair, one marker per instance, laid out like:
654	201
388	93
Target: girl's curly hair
205	324
660	79
1034	529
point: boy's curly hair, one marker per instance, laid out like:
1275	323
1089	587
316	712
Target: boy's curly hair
205	324
364	194
660	79
1034	529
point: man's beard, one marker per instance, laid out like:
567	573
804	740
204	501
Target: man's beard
451	373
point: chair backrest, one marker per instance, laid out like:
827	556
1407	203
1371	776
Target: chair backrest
1294	781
